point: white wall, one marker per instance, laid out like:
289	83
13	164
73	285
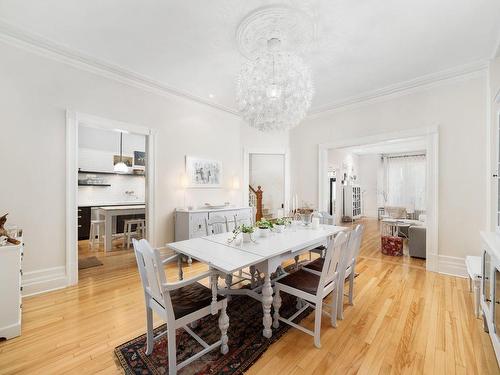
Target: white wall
268	171
123	190
35	92
494	101
368	168
458	108
343	161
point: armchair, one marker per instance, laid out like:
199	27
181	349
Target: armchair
178	304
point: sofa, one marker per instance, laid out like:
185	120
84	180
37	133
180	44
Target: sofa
416	241
395	212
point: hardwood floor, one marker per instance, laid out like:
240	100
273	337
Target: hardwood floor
404	320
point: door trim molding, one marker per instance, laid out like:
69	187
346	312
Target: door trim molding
266	151
73	120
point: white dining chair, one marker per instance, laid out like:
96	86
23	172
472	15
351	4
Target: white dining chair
235	222
178	303
348	266
216	225
326	219
312	287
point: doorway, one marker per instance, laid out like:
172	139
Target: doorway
110	193
267	176
269	169
362	203
111	187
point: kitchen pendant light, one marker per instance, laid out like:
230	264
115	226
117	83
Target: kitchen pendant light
121	167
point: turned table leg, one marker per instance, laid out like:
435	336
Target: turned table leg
267	300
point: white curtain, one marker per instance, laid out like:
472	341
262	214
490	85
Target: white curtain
405	181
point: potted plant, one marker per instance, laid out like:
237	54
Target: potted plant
264	227
280	224
245	230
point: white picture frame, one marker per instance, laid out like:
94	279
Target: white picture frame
203	172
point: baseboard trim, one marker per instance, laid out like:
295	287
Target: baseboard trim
11	331
454	266
45	280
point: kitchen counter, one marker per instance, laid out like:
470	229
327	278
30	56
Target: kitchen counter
85	213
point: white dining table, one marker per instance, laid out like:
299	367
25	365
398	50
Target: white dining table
265	253
110	214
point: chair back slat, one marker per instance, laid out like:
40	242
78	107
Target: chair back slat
359	230
243	218
351	251
216	225
353	245
335	249
150	269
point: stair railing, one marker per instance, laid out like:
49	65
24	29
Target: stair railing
255	200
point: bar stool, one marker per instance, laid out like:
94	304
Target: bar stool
133	228
96	226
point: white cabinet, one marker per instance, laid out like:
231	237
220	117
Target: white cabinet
351	202
191	223
490	287
10	290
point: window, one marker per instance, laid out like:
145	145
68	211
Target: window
405	181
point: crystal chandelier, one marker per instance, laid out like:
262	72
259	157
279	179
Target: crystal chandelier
274	90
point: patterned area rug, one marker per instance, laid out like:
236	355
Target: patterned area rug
88	263
246	343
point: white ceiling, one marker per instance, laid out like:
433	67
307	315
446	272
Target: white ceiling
393	146
190	45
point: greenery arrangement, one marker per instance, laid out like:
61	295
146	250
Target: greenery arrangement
264	224
282	221
241	229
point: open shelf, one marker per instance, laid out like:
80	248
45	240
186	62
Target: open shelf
80	184
121	174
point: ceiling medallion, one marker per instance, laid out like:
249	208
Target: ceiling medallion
274	88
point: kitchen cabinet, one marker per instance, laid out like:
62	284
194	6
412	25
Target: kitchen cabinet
490	288
11	272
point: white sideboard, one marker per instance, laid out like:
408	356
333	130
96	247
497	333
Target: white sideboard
10	290
490	287
191	223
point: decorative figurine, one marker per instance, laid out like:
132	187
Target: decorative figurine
4	233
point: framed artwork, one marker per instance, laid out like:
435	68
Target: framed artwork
203	172
126	159
140	158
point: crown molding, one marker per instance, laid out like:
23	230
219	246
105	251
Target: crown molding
404	88
48	48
